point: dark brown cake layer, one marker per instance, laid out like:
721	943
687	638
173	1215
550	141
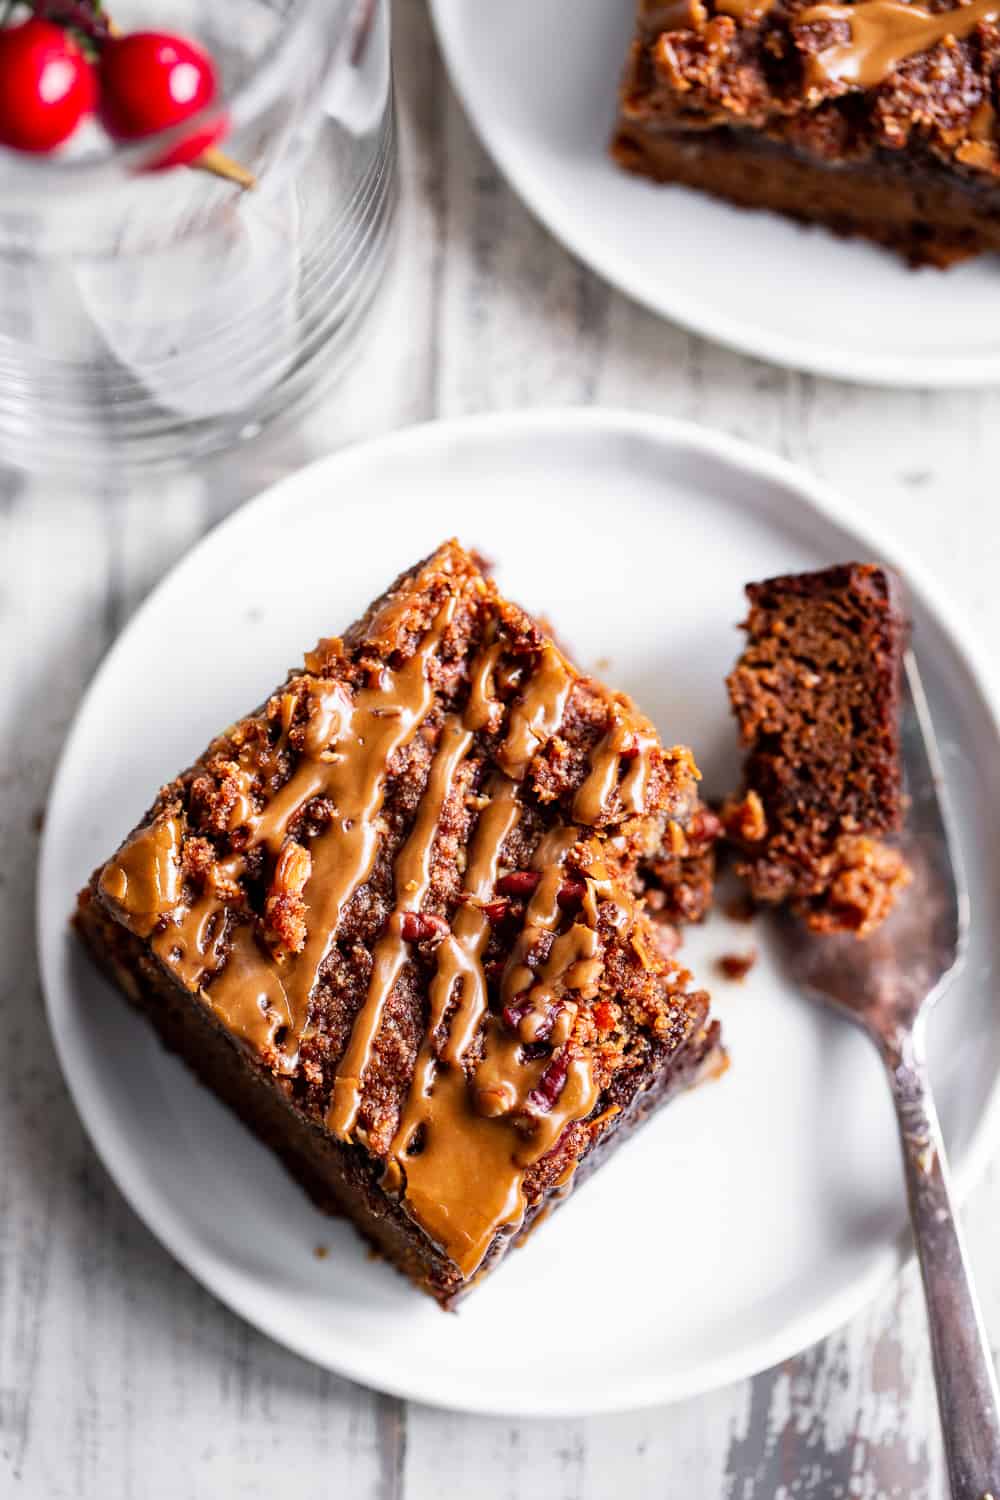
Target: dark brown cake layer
925	216
875	118
816	693
389	917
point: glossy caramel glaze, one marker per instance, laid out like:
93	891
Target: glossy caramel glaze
884	33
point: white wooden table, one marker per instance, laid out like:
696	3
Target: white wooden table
120	1378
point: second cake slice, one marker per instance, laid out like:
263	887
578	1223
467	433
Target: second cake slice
816	693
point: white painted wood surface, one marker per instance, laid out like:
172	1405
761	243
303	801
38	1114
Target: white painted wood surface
120	1377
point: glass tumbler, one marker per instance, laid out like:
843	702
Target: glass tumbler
149	318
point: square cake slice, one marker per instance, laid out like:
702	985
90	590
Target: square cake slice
876	118
389	918
817	697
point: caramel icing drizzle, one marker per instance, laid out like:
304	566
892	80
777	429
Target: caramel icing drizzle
466	1183
252	1002
538	713
482	697
412	880
193	946
884	33
518	985
350	770
143	881
347	747
476	1138
623	741
459	959
459	956
469	1129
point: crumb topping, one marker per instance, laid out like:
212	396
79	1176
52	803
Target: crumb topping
838	82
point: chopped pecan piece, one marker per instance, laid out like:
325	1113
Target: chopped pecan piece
422	927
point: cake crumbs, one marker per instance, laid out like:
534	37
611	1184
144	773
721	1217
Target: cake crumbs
736	966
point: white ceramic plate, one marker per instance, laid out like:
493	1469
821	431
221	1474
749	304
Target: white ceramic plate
750	1217
539	80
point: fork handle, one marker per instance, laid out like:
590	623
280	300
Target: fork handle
963	1366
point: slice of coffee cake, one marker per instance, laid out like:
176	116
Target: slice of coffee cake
876	118
388	918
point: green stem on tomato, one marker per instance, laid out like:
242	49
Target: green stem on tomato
79	16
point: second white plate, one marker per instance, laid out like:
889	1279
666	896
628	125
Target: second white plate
539	82
751	1216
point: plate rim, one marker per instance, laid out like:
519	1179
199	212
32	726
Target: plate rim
899	372
170	1228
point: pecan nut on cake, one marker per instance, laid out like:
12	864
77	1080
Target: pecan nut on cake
816	694
389	919
876	118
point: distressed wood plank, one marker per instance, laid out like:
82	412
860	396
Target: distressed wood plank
505	281
50	603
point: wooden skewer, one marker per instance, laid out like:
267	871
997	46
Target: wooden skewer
221	165
213	160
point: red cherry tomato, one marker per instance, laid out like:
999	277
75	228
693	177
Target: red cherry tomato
151	81
46	86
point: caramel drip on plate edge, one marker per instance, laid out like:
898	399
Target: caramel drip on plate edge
462	1145
884	33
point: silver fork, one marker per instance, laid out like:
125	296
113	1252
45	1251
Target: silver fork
887	985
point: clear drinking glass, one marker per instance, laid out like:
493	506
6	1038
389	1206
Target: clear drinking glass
148	318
